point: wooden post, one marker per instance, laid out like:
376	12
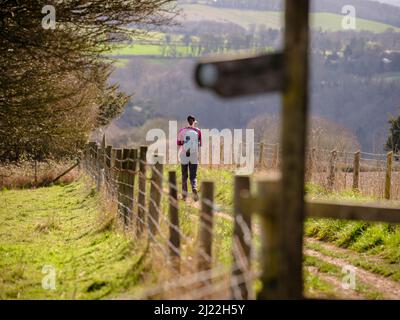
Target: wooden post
123	186
356	170
272	285
103	152
89	156
204	258
388	180
133	166
101	156
241	248
210	155
129	190
332	170
95	158
310	165
108	164
99	167
294	133
239	155
119	182
275	156
261	156
113	170
155	195
142	192
102	159
92	155
174	236
221	154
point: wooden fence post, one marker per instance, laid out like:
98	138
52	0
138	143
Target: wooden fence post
94	159
129	190
108	166
84	158
239	155
388	180
119	182
102	157
113	171
174	236
293	139
155	194
275	156
103	152
92	155
310	165
123	186
99	171
241	248
210	154
221	154
332	170
88	157
204	258
356	171
142	192
271	274
261	156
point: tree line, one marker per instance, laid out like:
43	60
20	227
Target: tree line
54	88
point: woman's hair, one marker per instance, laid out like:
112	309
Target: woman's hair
191	120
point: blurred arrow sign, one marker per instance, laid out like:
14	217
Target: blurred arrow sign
240	77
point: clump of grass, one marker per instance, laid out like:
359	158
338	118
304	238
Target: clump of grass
314	286
50	224
326	229
321	266
316	190
350	233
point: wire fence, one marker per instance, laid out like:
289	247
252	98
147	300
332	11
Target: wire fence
371	174
206	253
206	250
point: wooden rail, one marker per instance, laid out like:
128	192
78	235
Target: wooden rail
374	211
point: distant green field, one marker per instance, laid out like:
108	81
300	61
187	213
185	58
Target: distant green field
274	20
333	22
388	76
150	50
137	50
244	18
125	51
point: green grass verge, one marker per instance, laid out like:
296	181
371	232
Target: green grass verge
62	227
379	240
373	238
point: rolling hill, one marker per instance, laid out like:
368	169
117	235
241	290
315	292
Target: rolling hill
271	19
391	2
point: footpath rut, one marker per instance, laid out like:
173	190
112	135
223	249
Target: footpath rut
387	288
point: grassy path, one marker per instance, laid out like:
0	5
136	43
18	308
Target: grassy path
62	227
373	249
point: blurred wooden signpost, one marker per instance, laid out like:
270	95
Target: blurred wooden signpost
283	206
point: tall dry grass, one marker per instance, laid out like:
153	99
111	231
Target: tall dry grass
25	175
